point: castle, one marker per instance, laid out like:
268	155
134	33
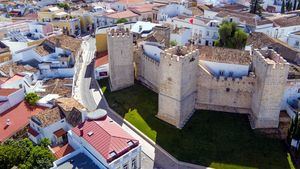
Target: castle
188	78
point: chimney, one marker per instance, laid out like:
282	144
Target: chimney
81	132
11	72
8	123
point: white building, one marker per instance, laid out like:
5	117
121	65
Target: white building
162	13
53	123
55	57
181	35
284	26
101	68
293	40
10	98
106	143
204	31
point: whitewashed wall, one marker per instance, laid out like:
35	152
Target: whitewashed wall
215	68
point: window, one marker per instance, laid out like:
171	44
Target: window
133	164
125	166
221	73
298	90
230	74
297	43
227	89
207	33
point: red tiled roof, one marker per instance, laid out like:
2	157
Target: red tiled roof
131	1
123	14
14	78
33	132
59	132
3	80
62	151
7	92
102	59
106	137
19	117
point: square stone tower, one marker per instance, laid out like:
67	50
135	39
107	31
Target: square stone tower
177	85
271	71
120	57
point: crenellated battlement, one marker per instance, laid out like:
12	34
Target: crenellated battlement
269	58
181	54
249	78
119	32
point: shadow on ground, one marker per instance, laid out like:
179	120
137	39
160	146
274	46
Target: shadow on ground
215	139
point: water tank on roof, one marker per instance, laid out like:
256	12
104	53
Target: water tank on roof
97	114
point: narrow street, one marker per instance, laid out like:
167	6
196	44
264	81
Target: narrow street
89	95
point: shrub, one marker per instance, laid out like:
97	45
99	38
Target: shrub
31	98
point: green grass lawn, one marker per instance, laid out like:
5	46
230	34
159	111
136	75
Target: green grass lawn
215	139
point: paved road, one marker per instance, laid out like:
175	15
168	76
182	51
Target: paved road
89	94
85	76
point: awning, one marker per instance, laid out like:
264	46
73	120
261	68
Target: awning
59	133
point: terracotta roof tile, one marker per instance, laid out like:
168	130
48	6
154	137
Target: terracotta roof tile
48	116
7	92
63	150
102	59
16	68
287	21
59	132
106	137
66	42
68	103
261	40
131	1
225	55
62	87
123	14
19	117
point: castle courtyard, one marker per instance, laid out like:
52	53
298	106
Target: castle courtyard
214	139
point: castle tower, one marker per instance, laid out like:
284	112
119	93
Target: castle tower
177	85
120	57
271	71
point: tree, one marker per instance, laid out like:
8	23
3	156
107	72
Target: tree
289	5
283	6
295	5
31	98
240	38
122	20
231	37
173	43
256	6
24	155
64	5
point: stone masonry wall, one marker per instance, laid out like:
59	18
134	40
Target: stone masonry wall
148	72
272	71
224	94
120	52
177	85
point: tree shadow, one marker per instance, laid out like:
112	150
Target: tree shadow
216	139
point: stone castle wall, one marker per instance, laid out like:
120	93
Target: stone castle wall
120	52
177	85
271	71
148	71
224	94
